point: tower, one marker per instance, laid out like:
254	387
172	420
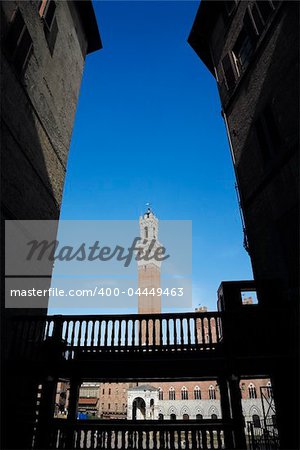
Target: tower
149	274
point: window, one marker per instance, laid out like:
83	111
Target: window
160	394
229	72
252	391
123	406
186	417
267	133
197	393
103	391
184	393
199	416
269	390
256	421
214	416
172	416
243	51
212	393
108	406
46	11
109	391
171	393
160	417
18	42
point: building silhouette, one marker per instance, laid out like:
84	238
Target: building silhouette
251	48
44	45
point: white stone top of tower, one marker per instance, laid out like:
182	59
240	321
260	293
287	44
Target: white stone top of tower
149	233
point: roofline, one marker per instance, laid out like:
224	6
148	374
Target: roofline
89	22
199	35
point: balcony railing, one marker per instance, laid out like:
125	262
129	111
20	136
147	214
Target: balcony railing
150	434
71	336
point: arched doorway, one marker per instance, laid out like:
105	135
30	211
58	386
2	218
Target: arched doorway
138	409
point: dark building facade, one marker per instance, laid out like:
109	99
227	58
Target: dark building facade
251	48
44	45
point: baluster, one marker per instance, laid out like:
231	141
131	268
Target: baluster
120	333
93	439
85	343
179	439
211	438
154	438
203	331
93	333
106	333
140	322
85	432
196	330
66	335
175	331
219	438
133	333
209	330
181	331
161	332
161	439
126	333
123	434
154	332
168	332
147	331
204	439
112	343
99	334
147	439
109	439
79	333
187	438
188	323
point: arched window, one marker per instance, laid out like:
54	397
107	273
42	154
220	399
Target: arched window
171	393
172	416
199	416
184	393
256	421
160	417
252	391
160	394
212	392
214	416
186	417
269	390
197	393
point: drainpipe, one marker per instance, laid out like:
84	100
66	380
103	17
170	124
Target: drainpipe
245	243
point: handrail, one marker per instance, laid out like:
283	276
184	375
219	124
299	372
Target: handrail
72	336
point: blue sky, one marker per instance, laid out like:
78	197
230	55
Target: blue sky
149	128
